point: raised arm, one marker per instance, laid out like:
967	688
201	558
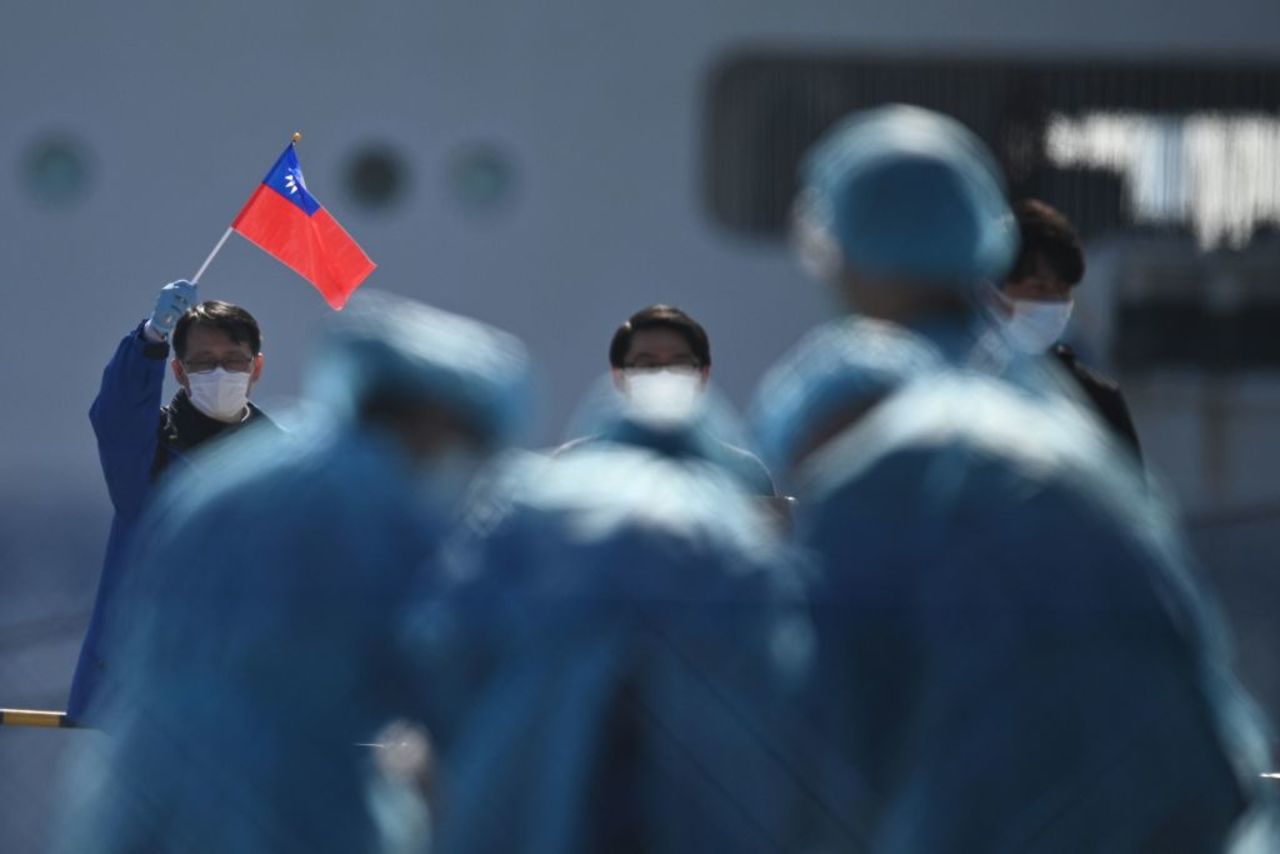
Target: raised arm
125	413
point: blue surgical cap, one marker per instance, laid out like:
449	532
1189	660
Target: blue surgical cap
388	346
840	366
910	193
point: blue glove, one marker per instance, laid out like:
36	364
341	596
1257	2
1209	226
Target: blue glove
172	302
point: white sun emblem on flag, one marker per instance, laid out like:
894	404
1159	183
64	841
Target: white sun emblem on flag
293	180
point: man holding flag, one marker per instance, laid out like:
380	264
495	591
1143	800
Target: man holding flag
217	350
217	359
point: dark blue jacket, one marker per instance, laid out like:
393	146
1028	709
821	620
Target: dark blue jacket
138	440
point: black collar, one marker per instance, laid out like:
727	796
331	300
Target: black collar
187	427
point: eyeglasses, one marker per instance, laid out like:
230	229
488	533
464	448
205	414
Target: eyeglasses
233	364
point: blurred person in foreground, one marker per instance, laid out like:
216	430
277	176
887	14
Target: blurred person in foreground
661	347
1014	655
217	359
260	645
612	651
1034	305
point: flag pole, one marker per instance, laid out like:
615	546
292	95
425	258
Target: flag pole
209	260
297	137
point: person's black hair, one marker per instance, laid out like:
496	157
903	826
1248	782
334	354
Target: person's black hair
660	317
1047	236
232	320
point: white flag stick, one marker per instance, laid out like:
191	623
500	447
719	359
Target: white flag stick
209	260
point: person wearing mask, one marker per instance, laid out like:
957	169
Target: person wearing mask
661	350
217	360
1035	300
1014	653
258	651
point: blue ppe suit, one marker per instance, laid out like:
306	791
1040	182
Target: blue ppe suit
838	371
138	441
257	650
613	650
741	463
1015	656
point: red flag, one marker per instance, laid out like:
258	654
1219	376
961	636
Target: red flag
287	222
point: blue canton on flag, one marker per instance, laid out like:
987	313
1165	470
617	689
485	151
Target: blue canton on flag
286	179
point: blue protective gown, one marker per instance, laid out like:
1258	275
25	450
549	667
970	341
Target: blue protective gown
613	654
256	650
1014	656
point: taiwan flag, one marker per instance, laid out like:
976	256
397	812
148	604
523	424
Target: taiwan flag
286	221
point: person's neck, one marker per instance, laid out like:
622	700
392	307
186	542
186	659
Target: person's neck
905	302
915	310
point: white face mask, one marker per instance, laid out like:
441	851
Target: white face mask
1035	326
219	393
664	396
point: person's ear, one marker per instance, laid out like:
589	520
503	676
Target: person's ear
180	375
619	380
256	370
704	375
